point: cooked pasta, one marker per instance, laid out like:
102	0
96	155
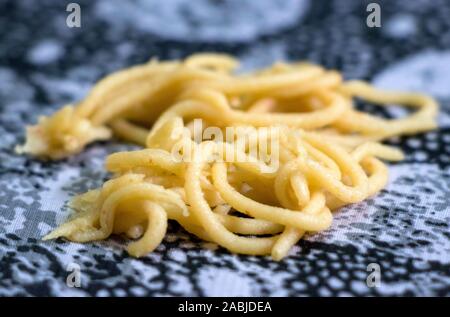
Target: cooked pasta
276	151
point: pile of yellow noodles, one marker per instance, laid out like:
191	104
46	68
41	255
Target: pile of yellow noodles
328	152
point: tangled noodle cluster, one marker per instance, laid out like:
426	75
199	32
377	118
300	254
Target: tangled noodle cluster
324	155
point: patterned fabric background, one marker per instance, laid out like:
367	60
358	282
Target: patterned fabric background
44	64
